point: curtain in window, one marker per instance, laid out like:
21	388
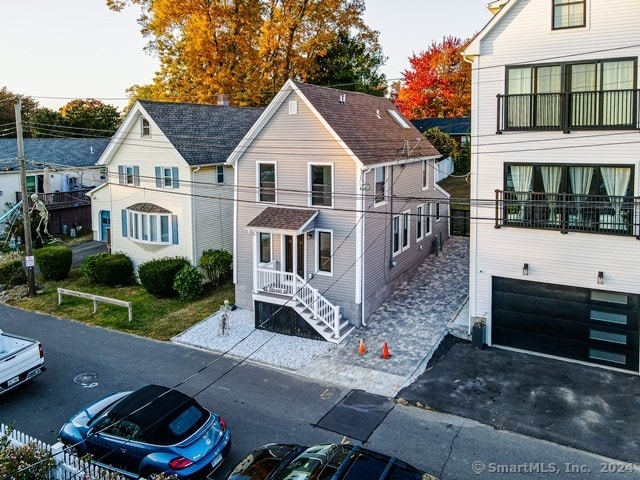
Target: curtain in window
580	178
548	98
617	96
551	176
522	176
519	107
584	96
616	182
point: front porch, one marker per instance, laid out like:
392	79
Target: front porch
282	272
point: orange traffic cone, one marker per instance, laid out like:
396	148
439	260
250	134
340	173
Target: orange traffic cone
385	352
361	349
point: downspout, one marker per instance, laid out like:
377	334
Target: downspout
193	216
472	302
391	265
361	244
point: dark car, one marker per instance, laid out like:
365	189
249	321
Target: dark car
152	430
322	462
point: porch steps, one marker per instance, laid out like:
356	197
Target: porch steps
319	326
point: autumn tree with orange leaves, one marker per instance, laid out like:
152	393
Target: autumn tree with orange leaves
438	83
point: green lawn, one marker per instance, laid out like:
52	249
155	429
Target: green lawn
460	190
158	318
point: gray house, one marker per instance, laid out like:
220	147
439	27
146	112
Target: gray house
336	206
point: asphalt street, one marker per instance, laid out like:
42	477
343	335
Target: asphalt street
264	405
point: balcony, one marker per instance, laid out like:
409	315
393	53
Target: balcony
566	111
565	213
72	198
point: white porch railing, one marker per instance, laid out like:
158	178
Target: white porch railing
291	285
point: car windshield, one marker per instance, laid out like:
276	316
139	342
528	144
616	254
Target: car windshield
308	464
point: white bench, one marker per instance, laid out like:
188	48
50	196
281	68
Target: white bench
96	299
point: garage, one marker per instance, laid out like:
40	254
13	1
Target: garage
594	326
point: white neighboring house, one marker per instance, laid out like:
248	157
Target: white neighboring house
555	157
60	170
169	192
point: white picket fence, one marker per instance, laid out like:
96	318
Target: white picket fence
68	466
443	169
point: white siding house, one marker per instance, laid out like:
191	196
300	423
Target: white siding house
169	192
333	196
555	158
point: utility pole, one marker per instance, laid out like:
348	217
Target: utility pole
29	260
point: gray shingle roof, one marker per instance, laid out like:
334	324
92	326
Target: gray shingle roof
364	124
72	152
202	134
276	218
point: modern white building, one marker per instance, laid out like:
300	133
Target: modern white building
555	156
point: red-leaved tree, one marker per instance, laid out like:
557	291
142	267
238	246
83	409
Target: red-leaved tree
438	83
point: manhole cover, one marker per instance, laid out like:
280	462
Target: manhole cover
86	380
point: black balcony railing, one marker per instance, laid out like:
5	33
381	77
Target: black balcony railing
566	111
564	212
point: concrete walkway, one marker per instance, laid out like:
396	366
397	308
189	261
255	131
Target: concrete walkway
412	322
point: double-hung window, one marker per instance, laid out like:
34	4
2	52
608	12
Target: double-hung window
267	182
381	185
128	175
220	174
167	177
325	252
145	127
427	220
569	13
321	177
419	222
400	232
425	174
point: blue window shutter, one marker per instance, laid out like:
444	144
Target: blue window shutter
121	175
158	177
174	229
174	174
124	223
136	176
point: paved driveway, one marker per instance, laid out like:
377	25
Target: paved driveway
585	407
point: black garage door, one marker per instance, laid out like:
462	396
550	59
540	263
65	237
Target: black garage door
590	325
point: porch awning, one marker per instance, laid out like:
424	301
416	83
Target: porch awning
294	221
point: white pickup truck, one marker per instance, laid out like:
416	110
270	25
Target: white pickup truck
21	359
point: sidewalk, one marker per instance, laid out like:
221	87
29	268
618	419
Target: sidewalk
412	322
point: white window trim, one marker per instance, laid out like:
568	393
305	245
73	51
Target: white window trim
438	211
386	186
424	178
317	252
406	220
293	107
393	234
260	249
275	174
126	175
420	218
136	227
310	183
164	177
427	214
142	127
218	175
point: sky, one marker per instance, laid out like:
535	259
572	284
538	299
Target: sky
59	50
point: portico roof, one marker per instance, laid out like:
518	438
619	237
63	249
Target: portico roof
286	220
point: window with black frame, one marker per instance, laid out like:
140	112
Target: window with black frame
588	198
594	94
569	14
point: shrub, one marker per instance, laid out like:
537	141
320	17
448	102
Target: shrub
88	267
157	276
217	264
11	269
54	261
188	283
15	459
113	270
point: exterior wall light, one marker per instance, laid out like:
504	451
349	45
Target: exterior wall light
600	278
525	269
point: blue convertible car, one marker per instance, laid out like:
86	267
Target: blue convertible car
152	430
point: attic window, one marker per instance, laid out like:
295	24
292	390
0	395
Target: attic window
399	120
293	107
145	128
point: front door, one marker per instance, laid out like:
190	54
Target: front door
294	251
105	224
